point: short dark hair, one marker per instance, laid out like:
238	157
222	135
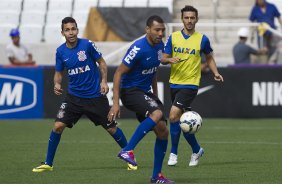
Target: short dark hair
68	20
153	18
190	9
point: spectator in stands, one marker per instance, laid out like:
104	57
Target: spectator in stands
265	12
241	51
17	53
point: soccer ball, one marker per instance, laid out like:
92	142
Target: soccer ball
190	122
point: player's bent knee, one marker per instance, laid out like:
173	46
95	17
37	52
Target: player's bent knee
156	115
59	127
173	118
112	130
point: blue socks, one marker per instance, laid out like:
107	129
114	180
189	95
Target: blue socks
175	132
120	138
54	140
191	139
143	128
159	154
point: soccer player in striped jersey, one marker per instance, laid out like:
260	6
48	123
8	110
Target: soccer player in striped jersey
87	89
133	81
183	52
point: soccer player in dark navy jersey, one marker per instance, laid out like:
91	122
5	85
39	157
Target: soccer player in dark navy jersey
135	83
87	89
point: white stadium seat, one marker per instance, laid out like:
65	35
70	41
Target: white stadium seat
9	17
137	3
52	34
55	17
33	17
31	33
35	5
162	3
81	17
14	5
84	5
110	3
60	5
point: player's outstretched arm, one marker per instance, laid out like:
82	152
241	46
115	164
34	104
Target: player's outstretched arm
167	59
212	66
115	110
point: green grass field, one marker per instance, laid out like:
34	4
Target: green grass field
237	151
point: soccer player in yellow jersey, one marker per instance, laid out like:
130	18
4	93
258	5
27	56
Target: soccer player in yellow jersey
183	52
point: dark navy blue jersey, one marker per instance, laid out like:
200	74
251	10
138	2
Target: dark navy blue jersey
143	60
83	71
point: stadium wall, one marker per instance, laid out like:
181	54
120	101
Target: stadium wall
247	92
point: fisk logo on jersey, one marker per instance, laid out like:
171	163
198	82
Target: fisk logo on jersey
184	50
81	56
132	53
78	70
16	94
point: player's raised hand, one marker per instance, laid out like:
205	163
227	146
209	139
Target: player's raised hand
218	77
58	89
104	88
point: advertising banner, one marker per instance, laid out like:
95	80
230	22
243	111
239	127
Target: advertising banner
21	92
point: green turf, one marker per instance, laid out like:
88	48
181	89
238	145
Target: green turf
236	151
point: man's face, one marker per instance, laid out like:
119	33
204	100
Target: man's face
16	39
261	2
70	32
155	32
189	20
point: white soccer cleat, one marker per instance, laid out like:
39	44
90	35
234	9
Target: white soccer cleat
172	161
195	158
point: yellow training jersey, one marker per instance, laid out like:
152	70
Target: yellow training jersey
187	72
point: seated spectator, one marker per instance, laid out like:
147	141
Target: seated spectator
242	52
17	53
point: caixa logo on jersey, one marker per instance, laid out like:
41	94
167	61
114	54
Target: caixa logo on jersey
16	94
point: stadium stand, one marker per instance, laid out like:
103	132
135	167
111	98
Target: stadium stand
25	15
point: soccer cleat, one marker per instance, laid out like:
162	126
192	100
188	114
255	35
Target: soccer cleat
172	161
42	168
131	167
161	179
127	156
195	157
